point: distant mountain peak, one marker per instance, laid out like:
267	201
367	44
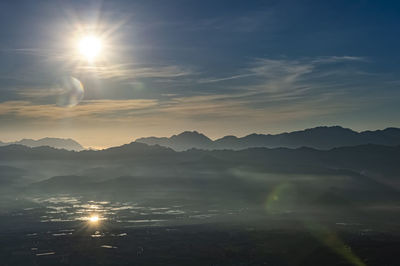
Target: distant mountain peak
326	128
183	141
191	135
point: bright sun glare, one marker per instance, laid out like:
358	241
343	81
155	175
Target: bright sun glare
90	47
94	219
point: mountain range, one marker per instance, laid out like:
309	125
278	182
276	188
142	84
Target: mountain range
318	138
67	144
364	173
322	138
373	159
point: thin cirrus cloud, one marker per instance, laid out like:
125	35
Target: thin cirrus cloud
284	79
130	71
332	84
87	109
284	69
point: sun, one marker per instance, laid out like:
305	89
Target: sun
90	47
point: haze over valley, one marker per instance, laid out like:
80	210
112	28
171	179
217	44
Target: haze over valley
135	185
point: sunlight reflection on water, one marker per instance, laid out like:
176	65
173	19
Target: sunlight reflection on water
67	208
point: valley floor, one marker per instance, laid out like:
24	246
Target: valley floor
217	244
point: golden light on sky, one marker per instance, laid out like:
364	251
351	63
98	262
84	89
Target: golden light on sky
90	47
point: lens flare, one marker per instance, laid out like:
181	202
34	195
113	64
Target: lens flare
70	92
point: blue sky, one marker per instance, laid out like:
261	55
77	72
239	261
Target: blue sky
218	67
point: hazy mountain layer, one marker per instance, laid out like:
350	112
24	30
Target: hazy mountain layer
67	144
361	159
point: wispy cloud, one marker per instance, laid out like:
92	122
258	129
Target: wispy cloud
85	110
39	92
336	59
275	77
214	80
296	88
134	71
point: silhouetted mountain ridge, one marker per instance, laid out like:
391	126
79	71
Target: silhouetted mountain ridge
323	137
